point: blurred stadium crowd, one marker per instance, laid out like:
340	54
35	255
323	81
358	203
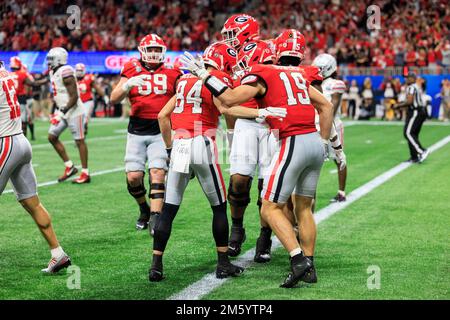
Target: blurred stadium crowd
418	33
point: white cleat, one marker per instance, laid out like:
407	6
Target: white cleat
57	264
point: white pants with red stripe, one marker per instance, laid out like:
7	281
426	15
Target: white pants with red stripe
15	165
203	162
295	168
76	126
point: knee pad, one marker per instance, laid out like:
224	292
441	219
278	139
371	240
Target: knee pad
137	191
241	197
220	225
157	186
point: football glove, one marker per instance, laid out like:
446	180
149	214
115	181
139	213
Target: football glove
196	66
340	158
279	113
134	82
56	117
326	150
106	99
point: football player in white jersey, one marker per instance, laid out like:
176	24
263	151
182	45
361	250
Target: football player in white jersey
333	89
70	114
15	165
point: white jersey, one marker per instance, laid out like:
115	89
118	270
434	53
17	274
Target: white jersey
331	86
10	123
60	93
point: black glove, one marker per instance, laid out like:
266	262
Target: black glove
169	151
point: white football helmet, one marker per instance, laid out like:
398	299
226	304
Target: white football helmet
56	57
326	63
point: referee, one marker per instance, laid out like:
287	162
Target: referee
415	117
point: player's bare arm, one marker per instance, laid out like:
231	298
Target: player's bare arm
98	89
71	85
118	93
164	122
36	83
336	101
325	110
241	94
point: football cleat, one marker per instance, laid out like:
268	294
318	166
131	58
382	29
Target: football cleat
57	264
410	160
155	275
310	275
339	198
237	238
152	222
83	178
68	172
298	271
423	156
142	221
262	251
225	270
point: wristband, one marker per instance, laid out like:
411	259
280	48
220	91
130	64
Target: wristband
215	86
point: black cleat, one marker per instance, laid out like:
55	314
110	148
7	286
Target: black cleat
237	238
225	270
262	251
310	276
142	221
298	270
155	275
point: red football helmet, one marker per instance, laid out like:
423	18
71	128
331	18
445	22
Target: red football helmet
152	49
221	56
290	43
15	63
80	70
238	29
254	52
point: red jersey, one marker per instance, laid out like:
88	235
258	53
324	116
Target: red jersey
19	77
148	100
85	87
252	103
195	112
286	87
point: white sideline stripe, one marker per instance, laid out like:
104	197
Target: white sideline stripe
106	138
209	282
50	183
349	123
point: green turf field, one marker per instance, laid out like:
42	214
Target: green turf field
402	227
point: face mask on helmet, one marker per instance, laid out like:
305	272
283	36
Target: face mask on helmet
56	57
152	54
80	70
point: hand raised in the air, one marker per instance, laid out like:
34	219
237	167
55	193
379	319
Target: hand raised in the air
196	66
134	82
275	112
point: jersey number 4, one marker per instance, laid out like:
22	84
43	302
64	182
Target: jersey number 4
193	97
300	84
159	85
11	98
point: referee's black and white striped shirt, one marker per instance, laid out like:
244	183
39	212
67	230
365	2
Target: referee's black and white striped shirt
416	91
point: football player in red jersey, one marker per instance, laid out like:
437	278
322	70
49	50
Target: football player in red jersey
239	29
193	114
296	165
149	84
86	82
23	78
250	153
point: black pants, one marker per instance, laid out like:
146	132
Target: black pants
413	124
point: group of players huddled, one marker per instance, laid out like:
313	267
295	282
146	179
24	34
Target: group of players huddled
282	119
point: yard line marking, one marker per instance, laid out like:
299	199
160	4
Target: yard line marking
209	282
53	182
106	138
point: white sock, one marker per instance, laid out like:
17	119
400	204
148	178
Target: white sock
57	252
68	164
86	171
295	252
341	192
